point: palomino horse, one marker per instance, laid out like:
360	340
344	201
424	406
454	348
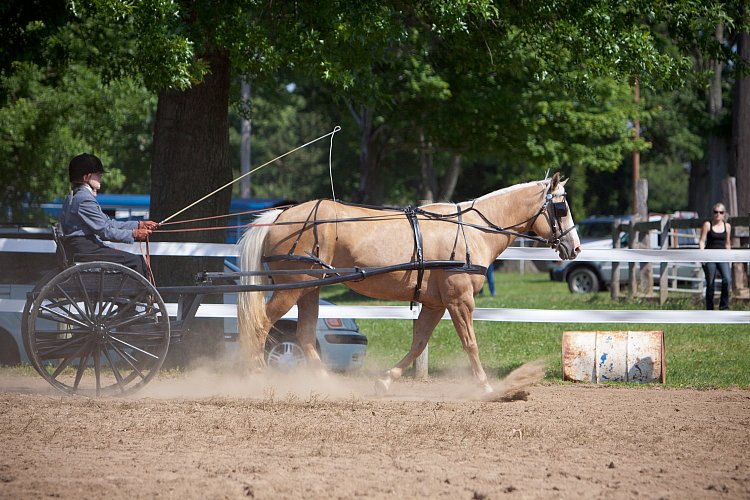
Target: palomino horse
326	234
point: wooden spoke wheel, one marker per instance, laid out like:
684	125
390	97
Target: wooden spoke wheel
96	329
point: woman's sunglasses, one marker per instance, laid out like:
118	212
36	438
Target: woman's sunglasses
718	211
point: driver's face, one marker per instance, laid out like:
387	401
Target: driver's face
94	180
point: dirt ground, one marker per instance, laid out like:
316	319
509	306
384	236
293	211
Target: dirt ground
205	435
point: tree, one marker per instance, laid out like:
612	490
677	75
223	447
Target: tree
387	60
45	121
741	117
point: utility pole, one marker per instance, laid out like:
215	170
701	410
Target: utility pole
636	152
245	141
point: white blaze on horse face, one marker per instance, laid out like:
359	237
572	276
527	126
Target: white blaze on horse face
570	244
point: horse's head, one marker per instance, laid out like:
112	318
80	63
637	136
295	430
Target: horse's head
555	224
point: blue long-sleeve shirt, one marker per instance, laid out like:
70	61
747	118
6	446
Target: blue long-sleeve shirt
82	216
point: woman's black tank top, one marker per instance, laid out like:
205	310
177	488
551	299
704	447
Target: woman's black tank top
715	240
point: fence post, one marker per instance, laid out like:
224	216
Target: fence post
632	272
421	370
741	239
614	287
646	274
663	277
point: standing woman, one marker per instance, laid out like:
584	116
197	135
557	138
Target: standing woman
715	234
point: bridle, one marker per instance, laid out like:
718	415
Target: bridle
555	211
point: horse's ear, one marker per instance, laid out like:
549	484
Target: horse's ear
555	180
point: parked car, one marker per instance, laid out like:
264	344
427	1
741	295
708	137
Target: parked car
585	277
596	232
20	271
341	345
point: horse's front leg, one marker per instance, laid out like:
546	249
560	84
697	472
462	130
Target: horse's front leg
307	322
423	328
462	316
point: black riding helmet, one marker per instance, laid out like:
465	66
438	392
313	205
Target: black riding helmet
84	164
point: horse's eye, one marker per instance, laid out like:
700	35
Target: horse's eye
560	208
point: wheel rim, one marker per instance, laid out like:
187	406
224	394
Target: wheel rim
97	329
286	356
582	282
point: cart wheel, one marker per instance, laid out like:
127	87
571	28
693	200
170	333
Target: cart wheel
95	329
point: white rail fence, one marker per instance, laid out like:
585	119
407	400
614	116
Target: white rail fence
480	314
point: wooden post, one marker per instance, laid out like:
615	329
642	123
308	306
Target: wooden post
421	370
421	364
646	274
614	287
663	278
739	273
632	274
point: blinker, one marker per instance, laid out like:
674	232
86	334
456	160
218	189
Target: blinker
560	209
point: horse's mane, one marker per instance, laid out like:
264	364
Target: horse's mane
500	192
510	189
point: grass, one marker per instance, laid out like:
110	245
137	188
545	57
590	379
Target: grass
700	356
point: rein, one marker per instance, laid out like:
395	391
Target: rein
454	218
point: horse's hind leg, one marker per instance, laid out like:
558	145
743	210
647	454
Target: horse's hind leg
461	315
307	322
278	305
423	328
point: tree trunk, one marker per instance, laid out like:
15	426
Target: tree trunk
707	174
428	182
450	180
741	130
371	146
191	159
718	157
741	148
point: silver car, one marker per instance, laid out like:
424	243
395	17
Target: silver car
340	344
593	276
585	277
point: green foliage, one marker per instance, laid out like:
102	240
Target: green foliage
45	123
515	88
280	123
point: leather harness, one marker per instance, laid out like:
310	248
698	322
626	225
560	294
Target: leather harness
554	211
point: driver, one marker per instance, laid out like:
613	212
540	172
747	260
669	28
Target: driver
85	225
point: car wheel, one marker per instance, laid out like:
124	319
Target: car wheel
283	352
583	280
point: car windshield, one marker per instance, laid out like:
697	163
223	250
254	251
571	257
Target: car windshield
595	229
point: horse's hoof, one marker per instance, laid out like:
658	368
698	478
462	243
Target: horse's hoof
382	386
487	388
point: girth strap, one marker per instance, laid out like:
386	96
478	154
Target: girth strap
411	214
460	230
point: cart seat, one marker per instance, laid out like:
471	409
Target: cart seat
63	261
64	258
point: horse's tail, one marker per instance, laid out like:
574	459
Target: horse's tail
251	311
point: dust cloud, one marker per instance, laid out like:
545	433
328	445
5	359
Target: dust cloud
227	378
